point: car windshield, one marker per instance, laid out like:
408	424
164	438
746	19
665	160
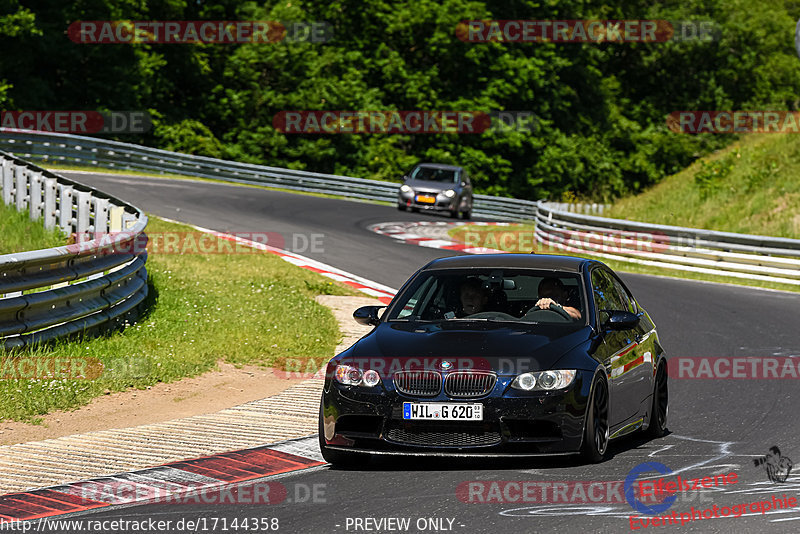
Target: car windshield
432	174
491	295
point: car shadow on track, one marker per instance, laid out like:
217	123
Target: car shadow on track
454	463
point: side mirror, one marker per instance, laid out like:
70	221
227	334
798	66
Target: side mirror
405	177
620	320
368	315
463	184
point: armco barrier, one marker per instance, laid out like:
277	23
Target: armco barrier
89	151
772	259
87	286
563	226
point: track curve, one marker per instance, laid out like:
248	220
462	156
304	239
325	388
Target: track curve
716	425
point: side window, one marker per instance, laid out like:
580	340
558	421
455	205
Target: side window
413	306
606	296
628	302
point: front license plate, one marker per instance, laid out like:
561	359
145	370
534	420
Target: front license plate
443	411
426	199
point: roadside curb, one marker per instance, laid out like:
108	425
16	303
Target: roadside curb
433	235
169	482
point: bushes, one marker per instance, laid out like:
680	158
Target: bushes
600	108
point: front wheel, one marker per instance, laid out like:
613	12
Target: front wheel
595	437
660	407
401	207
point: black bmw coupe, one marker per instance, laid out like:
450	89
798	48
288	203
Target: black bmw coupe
497	354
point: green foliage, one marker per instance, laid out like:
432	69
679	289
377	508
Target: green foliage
601	108
711	175
190	137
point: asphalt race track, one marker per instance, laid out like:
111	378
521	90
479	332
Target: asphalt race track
716	426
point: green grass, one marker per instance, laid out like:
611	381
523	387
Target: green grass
18	233
520	240
750	187
103	170
250	308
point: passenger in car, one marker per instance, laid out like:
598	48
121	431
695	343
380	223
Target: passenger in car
474	296
553	291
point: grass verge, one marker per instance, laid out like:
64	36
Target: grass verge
750	187
246	308
519	238
18	233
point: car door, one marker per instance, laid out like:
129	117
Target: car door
616	350
638	369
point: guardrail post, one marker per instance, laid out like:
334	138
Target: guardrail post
50	187
115	218
7	172
100	216
65	208
21	187
128	220
36	196
84	221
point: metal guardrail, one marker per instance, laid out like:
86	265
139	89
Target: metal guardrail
566	227
87	286
93	152
772	259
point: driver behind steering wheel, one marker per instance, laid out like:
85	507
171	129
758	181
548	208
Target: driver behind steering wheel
474	296
552	291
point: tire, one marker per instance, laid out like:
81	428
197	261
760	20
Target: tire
467	215
595	437
455	214
341	459
401	207
659	409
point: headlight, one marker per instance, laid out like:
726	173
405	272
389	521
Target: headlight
405	189
371	378
544	380
353	376
449	193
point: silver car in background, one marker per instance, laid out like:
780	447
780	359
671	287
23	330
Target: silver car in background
437	187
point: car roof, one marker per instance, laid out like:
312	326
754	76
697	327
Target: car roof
549	262
439	166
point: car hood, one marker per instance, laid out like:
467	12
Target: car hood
502	347
430	185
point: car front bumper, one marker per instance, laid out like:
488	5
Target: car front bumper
442	202
540	423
